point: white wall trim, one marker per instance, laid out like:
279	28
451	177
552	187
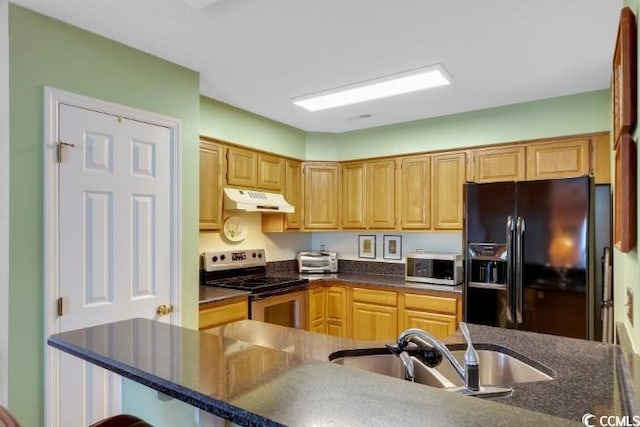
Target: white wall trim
53	98
4	202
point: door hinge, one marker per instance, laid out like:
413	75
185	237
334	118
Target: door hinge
62	144
59	304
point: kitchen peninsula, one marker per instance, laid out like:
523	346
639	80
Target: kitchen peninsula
285	377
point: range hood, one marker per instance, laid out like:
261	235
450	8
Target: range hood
236	199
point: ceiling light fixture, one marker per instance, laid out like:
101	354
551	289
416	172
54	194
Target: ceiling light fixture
200	4
395	84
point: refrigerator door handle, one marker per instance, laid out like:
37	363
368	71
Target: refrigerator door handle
520	229
510	308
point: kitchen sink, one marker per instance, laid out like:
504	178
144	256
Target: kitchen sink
499	366
381	361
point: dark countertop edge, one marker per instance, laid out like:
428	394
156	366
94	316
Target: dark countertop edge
379	280
626	362
232	293
201	401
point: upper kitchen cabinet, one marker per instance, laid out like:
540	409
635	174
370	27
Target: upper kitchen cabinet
251	169
321	195
448	176
241	167
271	173
498	164
381	194
601	158
293	193
558	159
211	179
354	195
415	192
278	222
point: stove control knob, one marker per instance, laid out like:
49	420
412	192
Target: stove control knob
259	255
253	254
214	258
222	257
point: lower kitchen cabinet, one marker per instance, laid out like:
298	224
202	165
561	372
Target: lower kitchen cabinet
372	322
438	325
220	312
374	315
371	314
336	306
436	314
316	303
328	310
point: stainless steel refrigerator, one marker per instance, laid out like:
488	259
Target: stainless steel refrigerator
530	256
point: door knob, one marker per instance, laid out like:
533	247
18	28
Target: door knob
164	309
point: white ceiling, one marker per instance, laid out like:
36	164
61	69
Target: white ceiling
258	54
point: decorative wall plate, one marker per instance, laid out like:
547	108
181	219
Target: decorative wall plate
235	229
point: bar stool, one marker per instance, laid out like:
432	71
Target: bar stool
122	420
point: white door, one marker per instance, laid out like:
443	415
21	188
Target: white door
114	242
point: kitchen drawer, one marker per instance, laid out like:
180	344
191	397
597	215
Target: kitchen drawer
221	314
431	303
375	296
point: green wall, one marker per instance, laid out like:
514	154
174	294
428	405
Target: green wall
625	265
567	115
46	52
231	124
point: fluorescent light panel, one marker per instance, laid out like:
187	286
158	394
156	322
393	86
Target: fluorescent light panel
396	84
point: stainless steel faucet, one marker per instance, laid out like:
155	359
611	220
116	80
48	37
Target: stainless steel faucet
471	371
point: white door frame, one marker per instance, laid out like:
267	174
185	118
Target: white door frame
52	100
4	203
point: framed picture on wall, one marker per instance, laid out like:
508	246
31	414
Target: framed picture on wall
367	246
391	247
624	76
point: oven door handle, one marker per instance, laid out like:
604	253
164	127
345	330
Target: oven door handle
280	291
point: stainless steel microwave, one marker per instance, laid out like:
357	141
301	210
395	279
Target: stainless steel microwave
435	268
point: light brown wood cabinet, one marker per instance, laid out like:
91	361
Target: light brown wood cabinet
415	192
317	311
549	160
601	159
448	177
381	194
321	195
293	193
211	179
271	173
336	311
374	315
499	164
328	310
438	315
218	313
241	167
279	222
354	195
369	313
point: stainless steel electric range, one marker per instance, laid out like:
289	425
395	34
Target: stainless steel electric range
273	299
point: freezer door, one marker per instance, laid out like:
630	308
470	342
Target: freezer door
487	207
554	263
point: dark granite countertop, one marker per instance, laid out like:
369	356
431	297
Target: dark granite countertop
212	293
293	384
394	282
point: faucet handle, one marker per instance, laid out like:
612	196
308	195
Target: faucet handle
471	361
470	356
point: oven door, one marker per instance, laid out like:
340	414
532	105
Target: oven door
285	309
